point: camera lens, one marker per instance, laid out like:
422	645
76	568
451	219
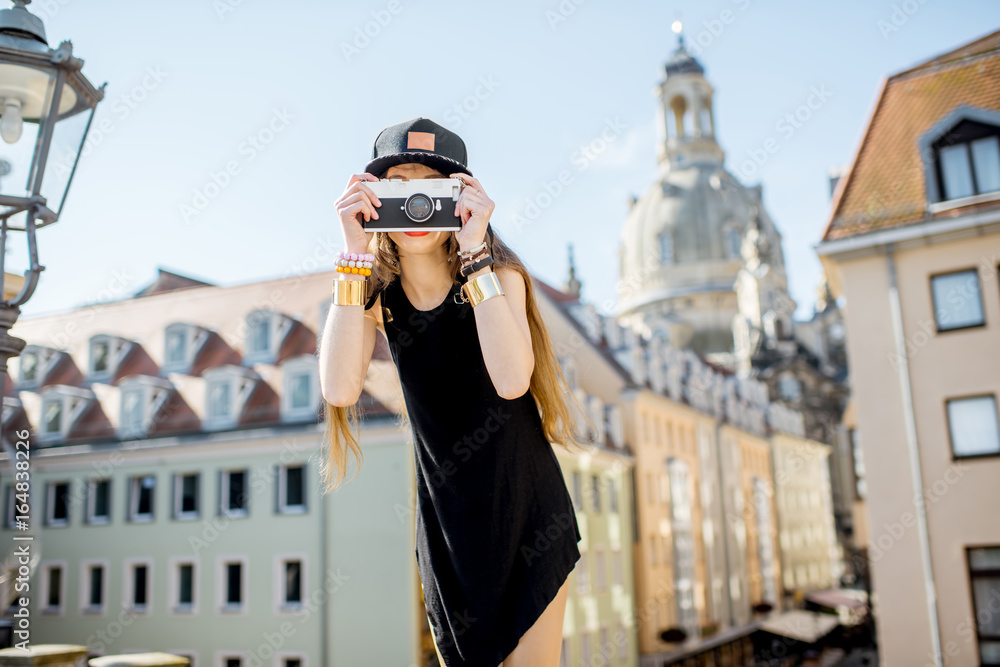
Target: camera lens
418	207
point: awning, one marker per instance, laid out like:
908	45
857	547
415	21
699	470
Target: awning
803	626
839	597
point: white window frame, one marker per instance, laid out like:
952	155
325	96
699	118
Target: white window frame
221	606
134	486
279	326
128	585
43	599
174	606
242	382
284	508
178	496
50	501
280	606
665	242
73	403
195	337
305	364
85	567
224	494
46	360
91	503
118	349
154	393
978	297
990	398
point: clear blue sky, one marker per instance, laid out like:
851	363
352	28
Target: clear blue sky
230	68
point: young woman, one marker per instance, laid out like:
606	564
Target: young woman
496	531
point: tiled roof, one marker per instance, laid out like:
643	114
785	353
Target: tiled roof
885	185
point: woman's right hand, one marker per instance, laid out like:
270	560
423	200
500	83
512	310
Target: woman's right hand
356	203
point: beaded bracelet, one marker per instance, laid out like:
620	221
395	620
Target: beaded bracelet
353	262
472	251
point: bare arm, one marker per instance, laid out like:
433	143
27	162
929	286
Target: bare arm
348	339
504	335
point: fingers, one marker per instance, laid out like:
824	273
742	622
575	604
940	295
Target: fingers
359	189
358	202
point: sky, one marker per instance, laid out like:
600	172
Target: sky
230	127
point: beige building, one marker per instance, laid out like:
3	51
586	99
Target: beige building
913	244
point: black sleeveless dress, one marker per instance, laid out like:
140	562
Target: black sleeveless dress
496	531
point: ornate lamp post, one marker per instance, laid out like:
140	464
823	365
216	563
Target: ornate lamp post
46	107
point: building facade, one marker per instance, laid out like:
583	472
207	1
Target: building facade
913	244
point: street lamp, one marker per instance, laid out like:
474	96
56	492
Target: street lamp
46	107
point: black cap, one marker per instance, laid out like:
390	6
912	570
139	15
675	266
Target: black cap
419	140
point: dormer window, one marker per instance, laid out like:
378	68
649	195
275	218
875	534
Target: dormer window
226	391
106	353
181	344
961	156
265	331
142	397
34	365
62	406
300	393
969	160
733	242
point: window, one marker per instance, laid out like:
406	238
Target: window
612	496
585	648
57	503
616	566
137	586
93	582
984	573
231	584
602	574
142	397
666	247
141	490
62	405
300	398
53	587
183	585
595	489
265	331
235	493
227	390
52	416
181	344
29	367
176	345
186	496
291	577
106	353
972	425
232	661
957	302
291	489
34	365
733	242
98	501
577	491
968	160
860	485
297	660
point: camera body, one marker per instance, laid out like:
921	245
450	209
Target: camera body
416	205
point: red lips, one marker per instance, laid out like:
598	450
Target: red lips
416	233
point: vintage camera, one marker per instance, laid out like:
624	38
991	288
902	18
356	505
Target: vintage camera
417	205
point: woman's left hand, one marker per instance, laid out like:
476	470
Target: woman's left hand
475	208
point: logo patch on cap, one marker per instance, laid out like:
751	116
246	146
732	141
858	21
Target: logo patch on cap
420	140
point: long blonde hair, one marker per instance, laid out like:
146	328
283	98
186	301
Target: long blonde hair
547	385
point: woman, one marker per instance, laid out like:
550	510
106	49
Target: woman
496	532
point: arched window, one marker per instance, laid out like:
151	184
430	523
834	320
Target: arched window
706	119
681	117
